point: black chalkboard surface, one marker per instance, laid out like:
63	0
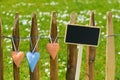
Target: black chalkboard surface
76	34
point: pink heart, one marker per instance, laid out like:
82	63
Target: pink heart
52	49
17	57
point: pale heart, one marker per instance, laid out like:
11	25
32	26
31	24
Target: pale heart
32	58
53	49
17	57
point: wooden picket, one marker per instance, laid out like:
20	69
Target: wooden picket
53	62
110	50
72	55
34	37
1	52
91	52
16	38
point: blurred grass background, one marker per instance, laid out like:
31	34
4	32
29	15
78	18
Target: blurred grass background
63	8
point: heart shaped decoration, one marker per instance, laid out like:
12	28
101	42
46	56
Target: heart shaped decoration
32	58
17	57
53	49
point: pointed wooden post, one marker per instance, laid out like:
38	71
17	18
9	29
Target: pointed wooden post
110	50
16	38
91	52
34	37
72	55
53	63
1	52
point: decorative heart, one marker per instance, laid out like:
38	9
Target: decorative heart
17	57
53	49
32	58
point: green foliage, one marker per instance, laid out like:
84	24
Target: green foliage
63	8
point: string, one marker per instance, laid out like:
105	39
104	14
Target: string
35	44
54	39
45	37
112	35
14	44
33	38
23	38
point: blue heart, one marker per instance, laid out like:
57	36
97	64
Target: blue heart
32	58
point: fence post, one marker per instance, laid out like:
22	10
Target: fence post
34	37
16	38
53	35
91	52
1	52
72	55
110	50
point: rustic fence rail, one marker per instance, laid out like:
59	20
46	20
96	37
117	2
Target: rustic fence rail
71	50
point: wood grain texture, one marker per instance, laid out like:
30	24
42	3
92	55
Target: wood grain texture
34	37
53	63
72	55
110	50
91	52
16	38
1	52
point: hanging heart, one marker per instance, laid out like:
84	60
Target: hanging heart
32	58
52	49
17	57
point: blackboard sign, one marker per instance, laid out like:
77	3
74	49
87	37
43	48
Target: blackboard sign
76	34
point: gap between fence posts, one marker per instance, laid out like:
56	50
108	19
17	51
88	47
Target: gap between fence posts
91	52
16	38
53	35
72	55
34	37
1	52
110	50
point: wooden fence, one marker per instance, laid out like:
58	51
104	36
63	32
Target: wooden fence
71	49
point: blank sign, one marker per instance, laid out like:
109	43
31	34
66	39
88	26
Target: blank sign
76	34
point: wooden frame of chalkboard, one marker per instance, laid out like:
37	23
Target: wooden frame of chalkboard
79	34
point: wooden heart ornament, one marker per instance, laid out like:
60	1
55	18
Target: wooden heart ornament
53	49
17	57
33	58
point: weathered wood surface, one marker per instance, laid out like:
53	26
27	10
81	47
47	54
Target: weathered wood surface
110	50
91	52
15	35
72	55
53	62
1	52
34	38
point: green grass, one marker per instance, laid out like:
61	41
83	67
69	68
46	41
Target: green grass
63	8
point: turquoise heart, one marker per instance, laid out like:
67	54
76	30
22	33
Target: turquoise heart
32	58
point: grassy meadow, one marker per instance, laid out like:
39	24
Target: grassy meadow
63	8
